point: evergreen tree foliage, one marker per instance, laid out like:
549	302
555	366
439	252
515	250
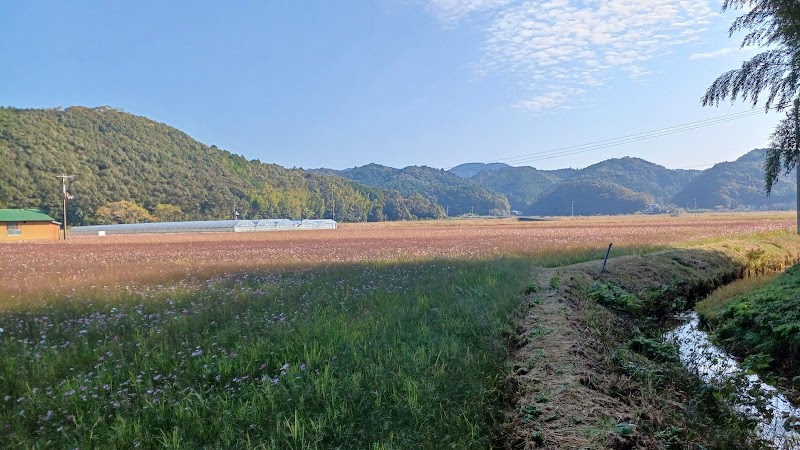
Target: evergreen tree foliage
775	25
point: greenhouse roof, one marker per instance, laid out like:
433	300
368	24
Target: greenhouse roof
24	215
207	226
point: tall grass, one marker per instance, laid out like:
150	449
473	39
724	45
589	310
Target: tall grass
360	356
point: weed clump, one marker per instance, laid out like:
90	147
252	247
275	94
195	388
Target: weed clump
615	297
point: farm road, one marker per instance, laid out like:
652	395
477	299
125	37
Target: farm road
554	369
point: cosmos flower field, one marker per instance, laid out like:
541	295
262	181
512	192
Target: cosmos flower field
370	336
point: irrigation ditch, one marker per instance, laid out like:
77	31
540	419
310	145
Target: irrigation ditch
591	367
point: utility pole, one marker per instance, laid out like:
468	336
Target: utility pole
65	196
333	207
797	153
573	208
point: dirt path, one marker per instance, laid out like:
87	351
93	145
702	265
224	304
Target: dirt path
555	371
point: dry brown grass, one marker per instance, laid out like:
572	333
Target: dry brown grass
114	261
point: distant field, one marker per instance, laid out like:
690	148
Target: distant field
379	336
114	261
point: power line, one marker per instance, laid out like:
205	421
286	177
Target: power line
627	139
570	150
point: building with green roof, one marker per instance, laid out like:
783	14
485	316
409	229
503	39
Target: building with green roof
27	225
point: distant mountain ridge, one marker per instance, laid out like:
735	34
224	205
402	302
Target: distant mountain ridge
729	185
457	195
521	185
170	176
469	170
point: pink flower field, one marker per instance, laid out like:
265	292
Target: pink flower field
113	262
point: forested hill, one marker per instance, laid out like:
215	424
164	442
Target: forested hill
589	196
738	184
522	185
457	195
617	179
641	176
626	182
121	157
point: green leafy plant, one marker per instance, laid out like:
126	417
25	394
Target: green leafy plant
530	412
624	429
615	297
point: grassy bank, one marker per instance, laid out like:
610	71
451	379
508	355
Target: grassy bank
370	356
760	322
631	389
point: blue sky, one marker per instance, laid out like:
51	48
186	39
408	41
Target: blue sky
396	82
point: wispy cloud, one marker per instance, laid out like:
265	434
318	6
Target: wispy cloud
559	49
556	100
453	11
718	53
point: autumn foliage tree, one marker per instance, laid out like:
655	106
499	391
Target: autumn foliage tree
167	213
122	211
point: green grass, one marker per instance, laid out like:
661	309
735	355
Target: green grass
368	356
373	356
554	258
712	306
764	323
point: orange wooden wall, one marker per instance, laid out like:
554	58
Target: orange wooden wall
31	231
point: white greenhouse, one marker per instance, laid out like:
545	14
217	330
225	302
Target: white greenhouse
205	226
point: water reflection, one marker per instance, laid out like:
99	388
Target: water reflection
778	420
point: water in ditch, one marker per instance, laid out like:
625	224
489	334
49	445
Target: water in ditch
778	419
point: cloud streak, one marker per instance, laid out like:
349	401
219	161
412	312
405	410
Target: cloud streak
718	53
558	50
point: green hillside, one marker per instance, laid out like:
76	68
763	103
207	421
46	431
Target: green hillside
591	197
522	185
641	176
563	173
457	195
121	157
737	184
469	170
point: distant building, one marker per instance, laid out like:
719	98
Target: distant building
27	225
652	208
204	226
